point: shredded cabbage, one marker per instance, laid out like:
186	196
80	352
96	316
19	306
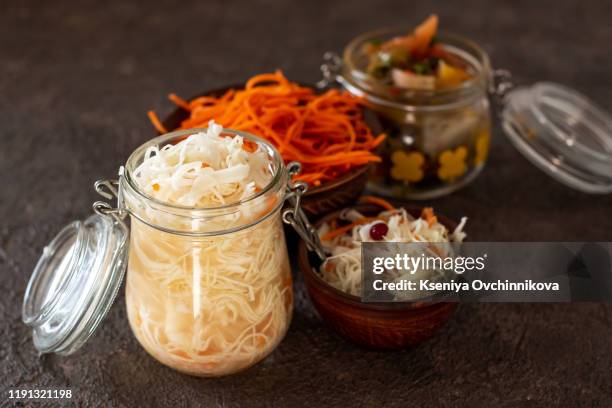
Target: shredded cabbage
214	305
204	170
342	269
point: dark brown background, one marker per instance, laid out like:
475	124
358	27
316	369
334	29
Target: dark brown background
76	79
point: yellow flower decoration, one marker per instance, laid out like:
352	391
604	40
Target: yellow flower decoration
483	141
407	166
452	163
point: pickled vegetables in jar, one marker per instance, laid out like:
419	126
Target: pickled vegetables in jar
430	91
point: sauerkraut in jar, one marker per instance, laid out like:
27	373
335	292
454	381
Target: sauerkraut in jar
208	289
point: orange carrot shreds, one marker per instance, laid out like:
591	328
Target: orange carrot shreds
309	178
377	201
428	215
342	230
325	132
179	101
249	146
156	122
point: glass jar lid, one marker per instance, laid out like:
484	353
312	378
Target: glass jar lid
75	283
563	133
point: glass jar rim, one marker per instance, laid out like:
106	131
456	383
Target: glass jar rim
277	162
356	77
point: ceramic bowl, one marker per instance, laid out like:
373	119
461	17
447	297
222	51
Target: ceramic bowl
387	326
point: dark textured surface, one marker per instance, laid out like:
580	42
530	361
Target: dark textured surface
75	81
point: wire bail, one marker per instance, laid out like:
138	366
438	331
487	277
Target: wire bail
501	84
295	216
332	63
109	189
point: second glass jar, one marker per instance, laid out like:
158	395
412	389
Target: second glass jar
438	141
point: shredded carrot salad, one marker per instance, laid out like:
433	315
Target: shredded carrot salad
326	133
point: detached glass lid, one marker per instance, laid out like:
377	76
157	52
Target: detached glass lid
75	283
563	133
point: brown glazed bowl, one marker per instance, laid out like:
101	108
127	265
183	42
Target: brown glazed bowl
383	326
320	200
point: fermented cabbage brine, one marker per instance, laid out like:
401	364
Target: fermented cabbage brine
208	289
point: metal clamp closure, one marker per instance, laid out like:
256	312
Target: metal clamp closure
295	216
332	64
109	189
502	83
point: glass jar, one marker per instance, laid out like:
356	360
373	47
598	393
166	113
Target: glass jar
208	290
437	141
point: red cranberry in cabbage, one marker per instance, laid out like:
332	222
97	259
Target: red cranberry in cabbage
378	231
